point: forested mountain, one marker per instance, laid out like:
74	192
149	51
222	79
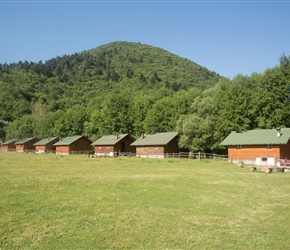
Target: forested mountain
84	78
125	87
110	78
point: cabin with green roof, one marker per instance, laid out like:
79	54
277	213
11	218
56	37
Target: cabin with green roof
157	145
110	145
262	147
46	145
26	144
8	146
73	145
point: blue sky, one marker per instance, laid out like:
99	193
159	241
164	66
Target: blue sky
228	37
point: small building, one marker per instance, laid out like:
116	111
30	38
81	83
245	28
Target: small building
8	146
261	147
157	145
26	145
114	144
46	145
73	145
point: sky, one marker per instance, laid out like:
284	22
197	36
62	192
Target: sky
229	37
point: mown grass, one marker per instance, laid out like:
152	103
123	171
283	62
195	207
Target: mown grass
74	202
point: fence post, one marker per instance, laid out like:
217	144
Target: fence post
199	155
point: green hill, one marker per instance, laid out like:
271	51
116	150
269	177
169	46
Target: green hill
84	78
128	62
90	78
125	87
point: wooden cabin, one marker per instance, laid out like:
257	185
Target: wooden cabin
8	146
157	145
46	145
73	145
112	145
26	145
262	147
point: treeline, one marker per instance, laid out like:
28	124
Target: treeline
259	101
134	88
124	112
89	83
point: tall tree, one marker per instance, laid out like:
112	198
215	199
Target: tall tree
198	127
46	125
21	128
72	122
273	103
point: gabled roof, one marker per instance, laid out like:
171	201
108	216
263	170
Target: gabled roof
25	140
68	140
156	139
45	141
110	140
8	142
257	137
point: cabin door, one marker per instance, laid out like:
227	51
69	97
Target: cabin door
123	147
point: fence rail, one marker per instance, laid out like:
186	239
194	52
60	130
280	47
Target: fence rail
31	151
180	155
197	156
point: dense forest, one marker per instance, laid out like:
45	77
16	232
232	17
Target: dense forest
125	87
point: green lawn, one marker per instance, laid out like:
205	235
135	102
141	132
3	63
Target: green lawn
74	202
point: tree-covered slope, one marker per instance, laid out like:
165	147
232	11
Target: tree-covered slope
132	63
133	88
92	78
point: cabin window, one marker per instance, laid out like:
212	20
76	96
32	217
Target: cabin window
239	147
155	147
269	146
87	145
142	147
76	145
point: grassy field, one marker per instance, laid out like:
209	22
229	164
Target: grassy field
74	202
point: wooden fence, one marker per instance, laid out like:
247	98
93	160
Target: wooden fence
31	151
181	155
196	156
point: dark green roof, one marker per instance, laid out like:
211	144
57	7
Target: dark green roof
257	137
68	140
8	142
156	139
45	141
25	140
109	140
